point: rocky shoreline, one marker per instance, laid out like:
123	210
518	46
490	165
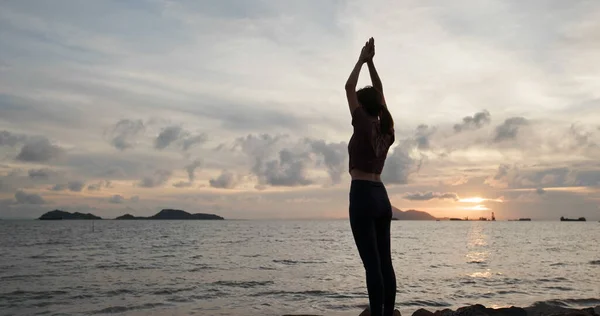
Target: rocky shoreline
538	309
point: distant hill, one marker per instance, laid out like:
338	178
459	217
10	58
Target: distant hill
58	215
411	215
173	214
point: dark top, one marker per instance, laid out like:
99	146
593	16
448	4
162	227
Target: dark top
368	146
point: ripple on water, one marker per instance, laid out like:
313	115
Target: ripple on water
123	309
243	284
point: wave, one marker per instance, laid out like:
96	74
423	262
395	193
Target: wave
293	262
595	262
557	279
426	303
122	309
170	291
316	293
243	284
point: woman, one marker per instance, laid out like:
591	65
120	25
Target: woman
370	208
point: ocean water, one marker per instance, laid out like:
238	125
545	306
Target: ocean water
278	267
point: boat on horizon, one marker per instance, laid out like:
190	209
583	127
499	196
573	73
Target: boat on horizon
564	219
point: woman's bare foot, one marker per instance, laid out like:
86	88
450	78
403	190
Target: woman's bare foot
396	313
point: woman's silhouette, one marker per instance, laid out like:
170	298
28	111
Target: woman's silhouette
370	209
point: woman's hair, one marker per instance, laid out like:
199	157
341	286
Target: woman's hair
371	100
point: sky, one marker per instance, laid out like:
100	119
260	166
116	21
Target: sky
237	107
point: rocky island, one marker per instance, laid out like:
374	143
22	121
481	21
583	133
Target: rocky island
411	215
59	215
173	214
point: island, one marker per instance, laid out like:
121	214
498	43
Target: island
173	214
411	215
59	215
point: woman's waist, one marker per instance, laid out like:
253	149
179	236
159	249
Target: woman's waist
360	175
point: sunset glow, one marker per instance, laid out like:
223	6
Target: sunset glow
472	200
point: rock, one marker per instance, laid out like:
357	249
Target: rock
590	311
422	312
545	309
510	311
473	310
444	312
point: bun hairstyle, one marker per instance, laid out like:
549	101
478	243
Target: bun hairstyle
371	101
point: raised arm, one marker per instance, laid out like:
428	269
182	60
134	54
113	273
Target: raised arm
350	86
375	81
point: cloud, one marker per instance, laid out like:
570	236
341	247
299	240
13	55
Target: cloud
423	135
125	132
182	184
191	169
59	187
116	199
99	185
226	180
430	196
39	173
276	163
334	157
288	170
23	197
509	129
9	139
159	178
191	141
40	150
477	121
167	136
76	186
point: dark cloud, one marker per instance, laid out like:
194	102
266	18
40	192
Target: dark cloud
190	141
176	134
191	169
28	198
59	187
289	169
39	150
334	156
430	196
423	135
400	165
39	173
76	186
159	178
116	199
9	139
99	185
167	136
124	133
273	166
477	121
182	184
226	180
509	129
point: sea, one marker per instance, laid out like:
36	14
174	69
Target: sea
236	267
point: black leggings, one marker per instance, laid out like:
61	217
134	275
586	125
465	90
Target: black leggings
370	219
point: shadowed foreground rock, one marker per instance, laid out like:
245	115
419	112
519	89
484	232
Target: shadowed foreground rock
537	309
